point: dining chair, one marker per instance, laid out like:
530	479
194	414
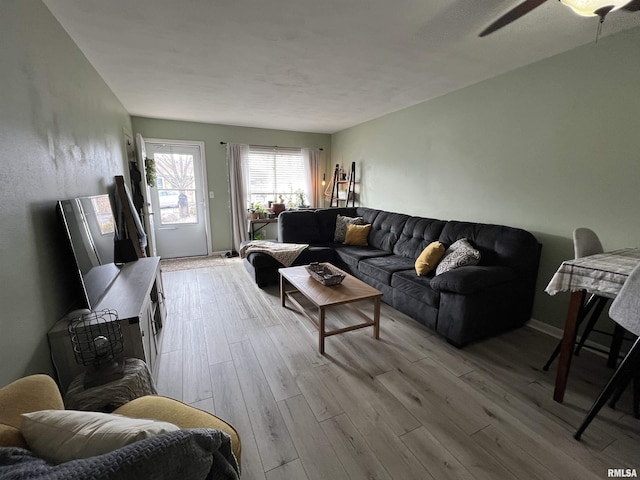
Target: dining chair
586	243
625	311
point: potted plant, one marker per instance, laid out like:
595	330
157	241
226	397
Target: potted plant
259	209
301	199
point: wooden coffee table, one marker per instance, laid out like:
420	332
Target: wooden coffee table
350	290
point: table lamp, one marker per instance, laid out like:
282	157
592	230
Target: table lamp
98	344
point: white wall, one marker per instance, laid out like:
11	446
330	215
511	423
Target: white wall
548	147
61	131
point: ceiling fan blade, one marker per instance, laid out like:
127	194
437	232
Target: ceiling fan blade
513	14
633	6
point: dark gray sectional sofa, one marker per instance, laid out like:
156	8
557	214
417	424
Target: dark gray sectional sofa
464	304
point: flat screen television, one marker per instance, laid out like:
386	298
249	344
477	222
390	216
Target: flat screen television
90	227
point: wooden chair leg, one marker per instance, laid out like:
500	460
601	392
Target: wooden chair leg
620	377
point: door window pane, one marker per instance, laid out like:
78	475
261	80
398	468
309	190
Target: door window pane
176	188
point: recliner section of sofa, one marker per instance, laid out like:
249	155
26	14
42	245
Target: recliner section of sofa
464	305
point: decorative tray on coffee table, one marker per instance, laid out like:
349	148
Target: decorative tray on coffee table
324	274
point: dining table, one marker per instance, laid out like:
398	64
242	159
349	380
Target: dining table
602	274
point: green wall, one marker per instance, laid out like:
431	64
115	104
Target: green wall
548	147
62	136
216	155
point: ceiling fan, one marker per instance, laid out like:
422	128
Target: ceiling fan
586	8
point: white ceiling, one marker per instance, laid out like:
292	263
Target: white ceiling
308	65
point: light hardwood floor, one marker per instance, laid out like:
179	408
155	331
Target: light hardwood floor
407	406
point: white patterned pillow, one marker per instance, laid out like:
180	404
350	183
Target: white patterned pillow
459	254
341	226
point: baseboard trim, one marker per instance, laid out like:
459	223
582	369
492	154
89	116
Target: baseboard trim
556	332
550	330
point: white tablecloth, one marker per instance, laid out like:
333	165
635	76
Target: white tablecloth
602	274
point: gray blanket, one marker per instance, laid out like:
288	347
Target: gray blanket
285	253
185	454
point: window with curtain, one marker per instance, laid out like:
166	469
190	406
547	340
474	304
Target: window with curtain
275	174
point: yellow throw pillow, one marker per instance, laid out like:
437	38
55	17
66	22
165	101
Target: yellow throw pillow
429	258
357	235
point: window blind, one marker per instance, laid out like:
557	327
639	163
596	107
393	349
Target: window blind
275	173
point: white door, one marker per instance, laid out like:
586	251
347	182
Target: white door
178	199
147	207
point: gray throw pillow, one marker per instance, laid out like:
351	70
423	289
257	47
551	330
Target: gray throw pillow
341	226
459	254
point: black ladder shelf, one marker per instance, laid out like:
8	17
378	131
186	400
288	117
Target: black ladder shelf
337	182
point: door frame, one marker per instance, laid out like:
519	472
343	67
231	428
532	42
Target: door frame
205	181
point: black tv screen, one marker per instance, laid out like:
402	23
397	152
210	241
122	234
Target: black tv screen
90	227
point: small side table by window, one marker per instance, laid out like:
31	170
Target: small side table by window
262	222
136	382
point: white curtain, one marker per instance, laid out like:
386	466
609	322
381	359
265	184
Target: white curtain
238	159
311	158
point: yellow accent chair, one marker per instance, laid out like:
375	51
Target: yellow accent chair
40	392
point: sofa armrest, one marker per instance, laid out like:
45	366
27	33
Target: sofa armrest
184	416
471	279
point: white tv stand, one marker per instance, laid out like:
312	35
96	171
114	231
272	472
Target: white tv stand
137	295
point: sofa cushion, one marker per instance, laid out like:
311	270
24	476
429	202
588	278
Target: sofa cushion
386	229
429	258
369	214
316	254
341	226
351	255
498	244
326	218
60	436
459	254
357	235
413	286
381	268
298	227
416	235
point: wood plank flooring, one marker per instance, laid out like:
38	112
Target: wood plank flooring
407	406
